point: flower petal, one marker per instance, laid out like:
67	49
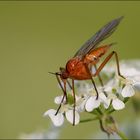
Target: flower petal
128	91
104	100
81	107
118	104
58	99
92	103
70	116
56	119
107	103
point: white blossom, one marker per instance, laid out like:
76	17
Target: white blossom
57	120
92	103
66	110
112	88
89	100
70	116
130	85
116	102
58	99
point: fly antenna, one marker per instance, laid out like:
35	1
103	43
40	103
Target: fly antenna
54	73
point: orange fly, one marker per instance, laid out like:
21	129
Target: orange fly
79	67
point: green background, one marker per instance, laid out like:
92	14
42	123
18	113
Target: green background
38	37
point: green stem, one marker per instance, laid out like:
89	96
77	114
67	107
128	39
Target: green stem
88	120
111	111
122	135
99	111
126	100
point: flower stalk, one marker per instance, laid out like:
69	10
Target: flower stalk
121	135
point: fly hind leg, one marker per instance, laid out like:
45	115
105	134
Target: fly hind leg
105	62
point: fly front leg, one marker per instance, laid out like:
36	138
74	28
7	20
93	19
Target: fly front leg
105	62
64	92
69	84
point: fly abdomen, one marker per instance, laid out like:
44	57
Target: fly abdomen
93	56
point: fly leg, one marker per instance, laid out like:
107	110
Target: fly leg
64	91
74	101
100	80
65	95
69	84
99	77
88	70
105	62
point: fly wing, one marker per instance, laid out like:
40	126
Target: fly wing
102	34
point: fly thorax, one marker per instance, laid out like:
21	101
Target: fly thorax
71	64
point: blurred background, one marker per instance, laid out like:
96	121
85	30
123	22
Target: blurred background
38	37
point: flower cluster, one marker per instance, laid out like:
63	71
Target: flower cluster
112	96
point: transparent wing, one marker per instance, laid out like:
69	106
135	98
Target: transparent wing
102	34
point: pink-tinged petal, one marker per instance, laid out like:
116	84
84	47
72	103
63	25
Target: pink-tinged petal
70	116
118	104
92	103
56	119
128	91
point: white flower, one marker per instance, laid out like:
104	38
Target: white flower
90	101
129	88
57	120
70	116
58	99
65	110
80	103
116	102
112	88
